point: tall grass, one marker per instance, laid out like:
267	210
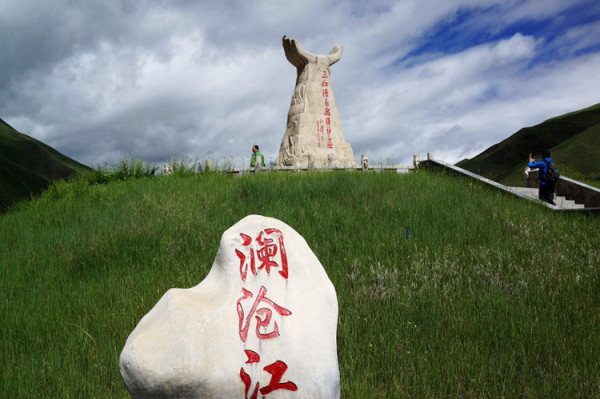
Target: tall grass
446	287
125	169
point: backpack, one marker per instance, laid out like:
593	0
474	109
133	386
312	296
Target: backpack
552	172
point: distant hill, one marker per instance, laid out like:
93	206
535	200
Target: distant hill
28	166
573	140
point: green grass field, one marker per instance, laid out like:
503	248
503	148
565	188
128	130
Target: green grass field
486	296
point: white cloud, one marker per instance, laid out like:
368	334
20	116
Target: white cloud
464	102
577	39
157	80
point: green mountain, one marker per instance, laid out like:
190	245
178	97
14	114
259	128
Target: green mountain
573	140
28	166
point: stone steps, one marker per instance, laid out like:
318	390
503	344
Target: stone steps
561	202
589	194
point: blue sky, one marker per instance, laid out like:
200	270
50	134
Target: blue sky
102	80
463	30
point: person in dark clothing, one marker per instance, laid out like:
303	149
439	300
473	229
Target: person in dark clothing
546	192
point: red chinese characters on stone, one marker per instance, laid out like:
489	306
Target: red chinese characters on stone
266	251
245	260
263	315
276	370
270	243
253	357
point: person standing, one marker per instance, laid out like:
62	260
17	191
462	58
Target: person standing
546	192
256	154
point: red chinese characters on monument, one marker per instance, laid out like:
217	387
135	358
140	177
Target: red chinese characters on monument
320	126
267	249
327	112
263	315
265	252
276	370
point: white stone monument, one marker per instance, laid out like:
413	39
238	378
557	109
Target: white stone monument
262	324
313	124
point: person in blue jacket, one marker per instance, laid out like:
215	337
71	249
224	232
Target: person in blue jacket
546	192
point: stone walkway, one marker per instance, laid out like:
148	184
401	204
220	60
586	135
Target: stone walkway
561	202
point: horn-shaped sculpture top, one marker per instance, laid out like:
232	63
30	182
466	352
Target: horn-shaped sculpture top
313	125
299	57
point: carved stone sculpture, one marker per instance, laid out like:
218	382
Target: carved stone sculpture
313	124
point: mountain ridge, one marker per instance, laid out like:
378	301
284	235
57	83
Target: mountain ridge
28	166
572	138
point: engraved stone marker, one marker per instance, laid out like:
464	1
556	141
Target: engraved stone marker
261	324
313	124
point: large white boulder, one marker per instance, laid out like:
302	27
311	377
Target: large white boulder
261	324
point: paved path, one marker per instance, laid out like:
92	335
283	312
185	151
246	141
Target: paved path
561	202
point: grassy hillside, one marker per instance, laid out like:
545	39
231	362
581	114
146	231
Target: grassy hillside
17	183
486	296
573	139
27	166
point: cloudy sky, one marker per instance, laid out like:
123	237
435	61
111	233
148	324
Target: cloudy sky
100	80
